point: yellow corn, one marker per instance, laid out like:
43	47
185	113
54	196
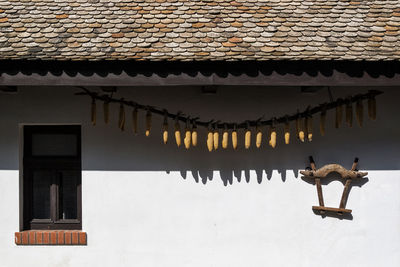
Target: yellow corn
93	112
106	111
148	123
258	138
225	137
210	137
247	139
177	133
121	120
234	139
300	130
272	139
165	132
135	120
349	114
287	133
359	112
216	139
187	138
194	137
309	126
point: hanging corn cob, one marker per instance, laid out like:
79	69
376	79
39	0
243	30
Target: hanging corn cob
106	111
300	128
287	130
272	137
210	138
359	112
309	126
258	136
225	137
188	134
194	133
121	120
135	120
177	131
339	113
322	120
165	128
247	137
372	107
93	111
349	113
215	138
148	121
234	137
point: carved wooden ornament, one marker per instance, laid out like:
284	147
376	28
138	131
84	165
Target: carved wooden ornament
323	172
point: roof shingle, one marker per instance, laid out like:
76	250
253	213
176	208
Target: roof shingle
199	30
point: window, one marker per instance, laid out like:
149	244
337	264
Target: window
52	177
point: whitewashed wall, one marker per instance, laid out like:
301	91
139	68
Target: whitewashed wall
146	204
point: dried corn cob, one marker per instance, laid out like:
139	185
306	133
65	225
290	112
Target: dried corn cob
349	114
148	122
234	138
225	137
210	137
339	113
93	111
135	120
121	120
106	111
359	112
272	138
309	127
187	139
300	129
177	133
216	139
165	130
287	131
258	137
372	108
194	135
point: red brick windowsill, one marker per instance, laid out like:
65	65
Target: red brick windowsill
51	237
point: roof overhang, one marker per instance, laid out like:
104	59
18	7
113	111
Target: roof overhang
170	73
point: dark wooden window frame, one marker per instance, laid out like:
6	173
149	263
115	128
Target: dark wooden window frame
50	163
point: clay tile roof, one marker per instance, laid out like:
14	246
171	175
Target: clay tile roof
200	29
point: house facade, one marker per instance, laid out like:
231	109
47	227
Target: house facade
88	90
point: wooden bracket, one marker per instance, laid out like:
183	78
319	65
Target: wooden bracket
323	172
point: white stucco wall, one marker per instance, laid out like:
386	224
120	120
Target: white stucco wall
146	204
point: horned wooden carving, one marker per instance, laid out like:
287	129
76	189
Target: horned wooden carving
323	172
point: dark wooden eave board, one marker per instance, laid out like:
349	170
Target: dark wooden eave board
167	73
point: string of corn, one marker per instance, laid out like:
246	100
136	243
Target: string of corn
216	139
309	125
272	138
258	137
234	139
210	140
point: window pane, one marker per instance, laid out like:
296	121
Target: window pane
54	145
41	194
68	195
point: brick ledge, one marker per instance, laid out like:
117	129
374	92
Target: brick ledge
51	237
